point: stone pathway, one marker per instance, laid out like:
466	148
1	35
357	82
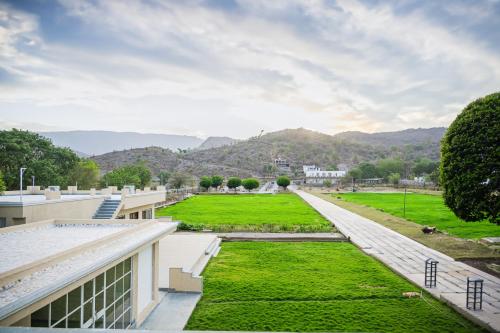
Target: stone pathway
283	237
406	257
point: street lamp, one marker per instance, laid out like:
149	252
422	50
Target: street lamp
21	172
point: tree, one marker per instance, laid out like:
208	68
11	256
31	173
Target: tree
234	183
217	181
424	166
178	180
389	166
368	170
250	183
283	181
85	174
136	174
205	182
354	173
164	176
470	163
50	165
327	183
2	183
394	178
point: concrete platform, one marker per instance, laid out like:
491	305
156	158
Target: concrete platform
283	237
187	251
173	312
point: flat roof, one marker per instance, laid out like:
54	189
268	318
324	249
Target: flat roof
34	199
64	251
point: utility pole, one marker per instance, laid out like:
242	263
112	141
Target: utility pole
21	172
33	181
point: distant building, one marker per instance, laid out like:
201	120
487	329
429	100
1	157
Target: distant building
36	205
315	176
282	164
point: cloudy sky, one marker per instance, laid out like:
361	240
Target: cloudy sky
234	67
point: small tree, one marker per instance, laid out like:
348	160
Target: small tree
85	174
178	180
327	183
470	167
217	181
164	176
283	181
233	183
394	178
205	182
250	183
2	183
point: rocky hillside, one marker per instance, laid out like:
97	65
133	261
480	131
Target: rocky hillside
253	157
217	141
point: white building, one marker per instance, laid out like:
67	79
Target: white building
315	176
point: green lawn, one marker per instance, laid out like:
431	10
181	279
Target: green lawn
266	286
247	212
424	209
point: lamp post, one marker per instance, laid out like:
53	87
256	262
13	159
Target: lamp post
33	181
21	172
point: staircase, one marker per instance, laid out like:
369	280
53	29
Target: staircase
107	209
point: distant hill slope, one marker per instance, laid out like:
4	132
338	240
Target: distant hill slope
298	146
100	142
217	141
399	138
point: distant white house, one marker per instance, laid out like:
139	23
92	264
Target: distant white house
282	164
315	176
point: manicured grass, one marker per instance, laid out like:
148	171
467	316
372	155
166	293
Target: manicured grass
265	286
424	209
247	212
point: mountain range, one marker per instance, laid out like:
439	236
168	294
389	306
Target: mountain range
252	157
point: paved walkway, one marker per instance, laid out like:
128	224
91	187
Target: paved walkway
406	257
173	312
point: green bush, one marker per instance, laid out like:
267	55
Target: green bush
233	182
217	181
470	161
283	181
205	182
250	183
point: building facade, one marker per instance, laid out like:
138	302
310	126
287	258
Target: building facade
80	273
315	176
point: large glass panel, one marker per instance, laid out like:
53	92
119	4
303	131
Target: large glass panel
74	299
126	282
119	270
74	319
110	295
99	283
126	300
58	309
110	276
88	290
118	288
40	318
119	323
88	310
110	316
99	323
99	302
127	265
126	318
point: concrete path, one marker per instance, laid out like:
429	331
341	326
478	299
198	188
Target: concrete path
173	312
406	257
283	237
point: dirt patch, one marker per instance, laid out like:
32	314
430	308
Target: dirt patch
488	265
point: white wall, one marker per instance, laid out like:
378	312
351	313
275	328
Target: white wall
145	278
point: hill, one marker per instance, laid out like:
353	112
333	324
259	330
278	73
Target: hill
255	156
217	141
101	142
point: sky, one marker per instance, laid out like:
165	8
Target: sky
234	67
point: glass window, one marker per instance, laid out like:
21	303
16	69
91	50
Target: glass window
99	283
74	319
58	309
40	318
101	302
74	299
